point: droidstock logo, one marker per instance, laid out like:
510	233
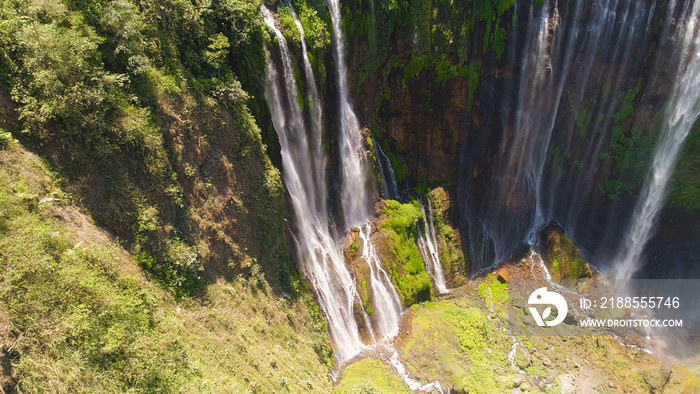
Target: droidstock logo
543	297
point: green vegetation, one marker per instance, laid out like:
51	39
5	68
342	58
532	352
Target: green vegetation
370	376
82	316
441	33
685	184
565	259
400	169
472	348
146	111
451	255
316	22
406	264
494	294
630	151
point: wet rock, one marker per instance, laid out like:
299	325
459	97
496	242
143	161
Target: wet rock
561	256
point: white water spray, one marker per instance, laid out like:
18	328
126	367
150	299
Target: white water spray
427	245
354	198
386	300
319	254
320	257
682	111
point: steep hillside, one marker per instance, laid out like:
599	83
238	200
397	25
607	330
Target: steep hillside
141	119
78	314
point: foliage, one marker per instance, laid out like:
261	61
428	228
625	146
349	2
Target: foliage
315	21
130	99
630	152
407	269
442	33
85	319
5	139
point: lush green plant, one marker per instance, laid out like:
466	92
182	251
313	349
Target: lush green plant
407	269
5	139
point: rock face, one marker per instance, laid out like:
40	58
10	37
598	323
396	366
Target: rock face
561	256
425	120
442	96
449	242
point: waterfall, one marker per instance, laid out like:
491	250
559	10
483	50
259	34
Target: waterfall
682	110
354	198
354	186
554	122
320	257
391	189
427	244
386	300
316	113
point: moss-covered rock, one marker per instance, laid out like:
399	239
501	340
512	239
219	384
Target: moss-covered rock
449	244
562	257
457	345
395	242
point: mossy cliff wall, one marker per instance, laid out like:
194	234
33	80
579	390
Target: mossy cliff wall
438	82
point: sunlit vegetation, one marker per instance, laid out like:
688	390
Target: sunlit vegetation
406	264
78	315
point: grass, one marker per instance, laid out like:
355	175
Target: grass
81	316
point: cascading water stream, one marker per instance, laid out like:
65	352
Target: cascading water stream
682	110
554	119
316	113
386	300
427	245
388	177
354	183
304	172
319	255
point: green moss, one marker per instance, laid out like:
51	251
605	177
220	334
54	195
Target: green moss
370	376
566	259
631	151
472	348
354	247
407	269
583	119
492	291
451	255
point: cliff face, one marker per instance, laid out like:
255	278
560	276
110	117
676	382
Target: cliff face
417	67
526	117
